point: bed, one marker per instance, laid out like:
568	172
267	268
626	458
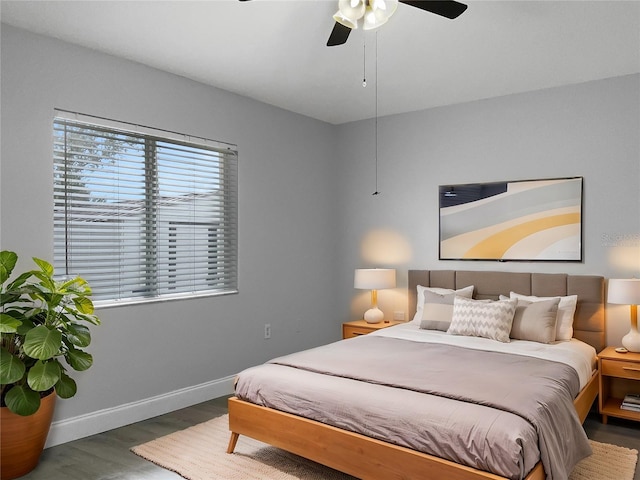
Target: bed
354	445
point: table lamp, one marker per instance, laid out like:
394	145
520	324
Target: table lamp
627	292
374	279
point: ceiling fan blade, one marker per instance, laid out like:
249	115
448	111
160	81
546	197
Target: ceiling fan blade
339	35
445	8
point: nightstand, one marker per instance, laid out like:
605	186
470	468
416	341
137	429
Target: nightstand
361	327
619	375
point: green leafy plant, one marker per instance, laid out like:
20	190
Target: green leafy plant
42	321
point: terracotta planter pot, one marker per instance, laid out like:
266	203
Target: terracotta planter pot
22	439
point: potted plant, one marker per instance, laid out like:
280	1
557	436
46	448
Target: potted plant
42	321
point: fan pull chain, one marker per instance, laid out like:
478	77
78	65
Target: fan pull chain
364	62
376	118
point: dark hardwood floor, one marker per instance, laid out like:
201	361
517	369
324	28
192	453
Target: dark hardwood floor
106	456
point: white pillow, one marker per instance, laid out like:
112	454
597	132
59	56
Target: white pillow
566	310
466	292
481	318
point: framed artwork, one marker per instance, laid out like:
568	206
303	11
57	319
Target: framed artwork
527	220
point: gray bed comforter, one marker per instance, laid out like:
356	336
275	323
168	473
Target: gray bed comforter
540	392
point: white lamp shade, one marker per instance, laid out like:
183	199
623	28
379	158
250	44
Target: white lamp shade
624	291
375	278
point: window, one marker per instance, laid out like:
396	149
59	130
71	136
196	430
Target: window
143	214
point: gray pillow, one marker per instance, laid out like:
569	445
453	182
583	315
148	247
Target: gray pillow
535	321
437	311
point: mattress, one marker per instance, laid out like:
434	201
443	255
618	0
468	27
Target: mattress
474	433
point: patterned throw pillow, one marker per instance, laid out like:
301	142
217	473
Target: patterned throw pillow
478	318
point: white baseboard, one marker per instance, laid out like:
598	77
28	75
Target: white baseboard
82	426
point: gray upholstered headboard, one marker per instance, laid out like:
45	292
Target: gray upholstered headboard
588	324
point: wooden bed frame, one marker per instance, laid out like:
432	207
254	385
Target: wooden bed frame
368	458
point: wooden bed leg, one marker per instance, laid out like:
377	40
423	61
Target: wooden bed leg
232	442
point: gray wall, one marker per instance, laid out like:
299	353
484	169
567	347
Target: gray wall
287	207
590	130
307	217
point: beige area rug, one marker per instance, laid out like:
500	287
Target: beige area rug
199	453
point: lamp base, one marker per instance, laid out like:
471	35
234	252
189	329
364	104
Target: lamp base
373	315
631	341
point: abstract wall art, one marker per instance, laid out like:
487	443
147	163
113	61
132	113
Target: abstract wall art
526	220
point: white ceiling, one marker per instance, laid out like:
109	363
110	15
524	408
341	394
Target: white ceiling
274	51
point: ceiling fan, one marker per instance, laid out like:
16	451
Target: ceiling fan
371	14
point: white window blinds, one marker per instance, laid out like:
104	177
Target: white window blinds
143	214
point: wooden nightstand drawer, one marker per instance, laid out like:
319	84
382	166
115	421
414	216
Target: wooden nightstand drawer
350	332
621	369
360	327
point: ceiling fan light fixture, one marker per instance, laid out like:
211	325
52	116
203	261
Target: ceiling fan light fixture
386	7
346	21
349	12
373	20
378	12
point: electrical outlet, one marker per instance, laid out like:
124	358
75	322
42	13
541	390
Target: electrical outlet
267	330
398	316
